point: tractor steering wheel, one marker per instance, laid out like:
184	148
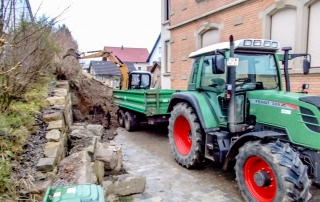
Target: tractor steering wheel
243	80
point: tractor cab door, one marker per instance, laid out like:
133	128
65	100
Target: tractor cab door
212	86
254	72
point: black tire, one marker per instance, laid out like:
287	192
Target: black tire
182	116
130	121
287	176
121	117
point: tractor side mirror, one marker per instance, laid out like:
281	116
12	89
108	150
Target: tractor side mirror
218	64
306	66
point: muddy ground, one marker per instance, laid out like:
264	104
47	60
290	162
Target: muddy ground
147	152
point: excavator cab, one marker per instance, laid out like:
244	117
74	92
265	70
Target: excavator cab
139	80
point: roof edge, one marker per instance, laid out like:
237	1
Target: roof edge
154	47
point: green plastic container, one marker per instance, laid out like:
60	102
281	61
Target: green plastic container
77	193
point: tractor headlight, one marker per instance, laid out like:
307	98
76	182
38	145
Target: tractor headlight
247	43
257	43
267	43
274	45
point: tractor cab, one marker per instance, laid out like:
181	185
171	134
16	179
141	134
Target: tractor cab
255	69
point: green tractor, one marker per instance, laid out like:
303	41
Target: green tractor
236	112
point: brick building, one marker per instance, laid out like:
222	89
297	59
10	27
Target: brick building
192	24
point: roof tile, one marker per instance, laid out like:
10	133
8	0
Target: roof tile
129	54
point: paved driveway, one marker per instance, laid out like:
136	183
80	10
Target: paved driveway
147	152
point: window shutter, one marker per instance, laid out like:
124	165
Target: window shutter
283	27
210	37
314	33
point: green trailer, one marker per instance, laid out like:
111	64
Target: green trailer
142	106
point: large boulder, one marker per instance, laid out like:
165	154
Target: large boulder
116	170
81	139
97	130
107	155
76	169
123	185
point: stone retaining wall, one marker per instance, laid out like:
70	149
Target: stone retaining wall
58	120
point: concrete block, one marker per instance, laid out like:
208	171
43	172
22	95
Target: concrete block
53	117
60	92
56	125
45	164
53	101
53	135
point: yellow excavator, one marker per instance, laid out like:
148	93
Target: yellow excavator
104	54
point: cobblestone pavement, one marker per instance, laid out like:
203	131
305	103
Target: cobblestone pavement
147	152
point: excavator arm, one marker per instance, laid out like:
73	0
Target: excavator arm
105	54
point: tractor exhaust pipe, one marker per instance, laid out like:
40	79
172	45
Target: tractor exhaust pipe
233	127
231	80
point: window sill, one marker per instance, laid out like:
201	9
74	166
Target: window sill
166	22
313	70
166	74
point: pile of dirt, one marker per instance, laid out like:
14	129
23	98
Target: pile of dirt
92	99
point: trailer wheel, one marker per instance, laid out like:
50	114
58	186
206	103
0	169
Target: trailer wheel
185	135
271	172
130	121
121	117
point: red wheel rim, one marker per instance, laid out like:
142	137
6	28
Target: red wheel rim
182	135
263	194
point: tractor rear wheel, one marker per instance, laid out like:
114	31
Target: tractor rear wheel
271	172
130	121
185	135
121	117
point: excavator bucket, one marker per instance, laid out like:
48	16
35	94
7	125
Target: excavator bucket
73	53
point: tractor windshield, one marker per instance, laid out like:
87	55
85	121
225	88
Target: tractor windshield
256	71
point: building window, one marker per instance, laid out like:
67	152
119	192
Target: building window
166	10
159	49
210	37
208	34
283	27
167	57
313	35
139	68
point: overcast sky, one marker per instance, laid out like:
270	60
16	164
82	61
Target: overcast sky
98	23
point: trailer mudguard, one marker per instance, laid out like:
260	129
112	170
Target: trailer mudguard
234	149
204	110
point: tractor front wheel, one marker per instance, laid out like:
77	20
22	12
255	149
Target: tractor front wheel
185	135
271	172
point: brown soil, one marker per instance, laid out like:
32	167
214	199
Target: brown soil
92	99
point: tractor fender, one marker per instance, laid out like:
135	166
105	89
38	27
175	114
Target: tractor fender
207	119
234	148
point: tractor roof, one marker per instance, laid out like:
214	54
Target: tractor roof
253	44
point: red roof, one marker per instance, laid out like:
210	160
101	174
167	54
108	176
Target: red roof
129	54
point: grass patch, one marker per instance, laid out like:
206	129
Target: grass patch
16	125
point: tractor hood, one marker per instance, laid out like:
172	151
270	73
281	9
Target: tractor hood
296	114
274	98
